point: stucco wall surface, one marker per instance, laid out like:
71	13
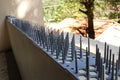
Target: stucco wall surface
24	9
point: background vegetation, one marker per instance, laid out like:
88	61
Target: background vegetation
57	10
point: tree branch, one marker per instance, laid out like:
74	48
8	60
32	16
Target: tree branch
85	12
84	3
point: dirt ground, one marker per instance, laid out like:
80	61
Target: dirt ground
80	25
3	67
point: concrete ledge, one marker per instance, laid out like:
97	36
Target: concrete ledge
32	62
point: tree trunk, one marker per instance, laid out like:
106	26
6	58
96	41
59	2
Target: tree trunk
90	15
89	5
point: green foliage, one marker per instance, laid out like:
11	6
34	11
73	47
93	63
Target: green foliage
64	9
49	6
106	8
57	10
112	15
99	9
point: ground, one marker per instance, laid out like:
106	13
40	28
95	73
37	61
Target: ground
79	26
3	67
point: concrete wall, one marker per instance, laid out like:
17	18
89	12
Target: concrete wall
33	63
30	10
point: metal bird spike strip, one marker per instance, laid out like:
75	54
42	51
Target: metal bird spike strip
80	63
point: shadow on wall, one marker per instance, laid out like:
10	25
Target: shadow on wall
4	38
